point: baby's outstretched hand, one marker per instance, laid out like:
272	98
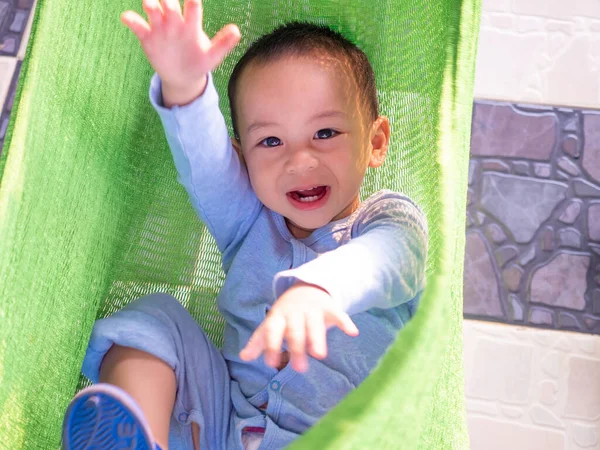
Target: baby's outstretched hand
177	46
302	316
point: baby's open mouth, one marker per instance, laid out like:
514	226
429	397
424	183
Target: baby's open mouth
309	195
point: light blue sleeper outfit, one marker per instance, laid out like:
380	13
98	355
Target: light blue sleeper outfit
372	261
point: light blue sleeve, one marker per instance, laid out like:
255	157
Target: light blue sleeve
382	267
208	166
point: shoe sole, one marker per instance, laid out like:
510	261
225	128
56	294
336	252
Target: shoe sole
104	417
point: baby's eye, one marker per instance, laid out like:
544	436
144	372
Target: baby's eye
325	133
271	141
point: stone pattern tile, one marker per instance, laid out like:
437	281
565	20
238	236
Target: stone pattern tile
533	217
15	26
14	18
528	47
9	103
531	389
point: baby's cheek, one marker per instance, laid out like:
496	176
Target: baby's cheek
266	191
257	179
350	168
263	192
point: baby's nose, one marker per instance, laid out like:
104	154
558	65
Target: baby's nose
301	161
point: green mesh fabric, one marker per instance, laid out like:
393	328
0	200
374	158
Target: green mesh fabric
91	215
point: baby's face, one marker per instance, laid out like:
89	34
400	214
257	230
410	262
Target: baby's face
305	139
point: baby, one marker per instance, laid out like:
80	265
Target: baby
307	264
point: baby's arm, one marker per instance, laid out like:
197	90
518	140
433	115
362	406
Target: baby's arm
382	267
208	167
187	102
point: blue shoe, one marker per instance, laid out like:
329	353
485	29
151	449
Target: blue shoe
104	417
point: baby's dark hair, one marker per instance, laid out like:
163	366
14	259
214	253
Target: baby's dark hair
301	39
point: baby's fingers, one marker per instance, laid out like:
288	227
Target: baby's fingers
226	39
316	334
255	346
343	322
222	43
154	12
296	339
192	12
136	23
171	9
274	326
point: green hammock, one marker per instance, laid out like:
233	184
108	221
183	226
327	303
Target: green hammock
91	214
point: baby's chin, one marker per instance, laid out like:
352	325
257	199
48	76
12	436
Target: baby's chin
305	225
305	222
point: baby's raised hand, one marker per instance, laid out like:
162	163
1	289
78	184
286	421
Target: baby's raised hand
177	46
301	315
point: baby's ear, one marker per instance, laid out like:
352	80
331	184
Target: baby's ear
380	140
237	146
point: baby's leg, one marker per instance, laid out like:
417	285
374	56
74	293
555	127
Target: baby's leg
158	354
139	374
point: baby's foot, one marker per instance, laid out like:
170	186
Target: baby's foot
106	417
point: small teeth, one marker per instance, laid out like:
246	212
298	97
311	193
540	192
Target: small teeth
312	198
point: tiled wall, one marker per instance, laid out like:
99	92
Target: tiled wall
540	51
15	23
533	236
533	240
531	389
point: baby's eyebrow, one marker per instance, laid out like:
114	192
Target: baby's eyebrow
322	115
326	114
257	125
